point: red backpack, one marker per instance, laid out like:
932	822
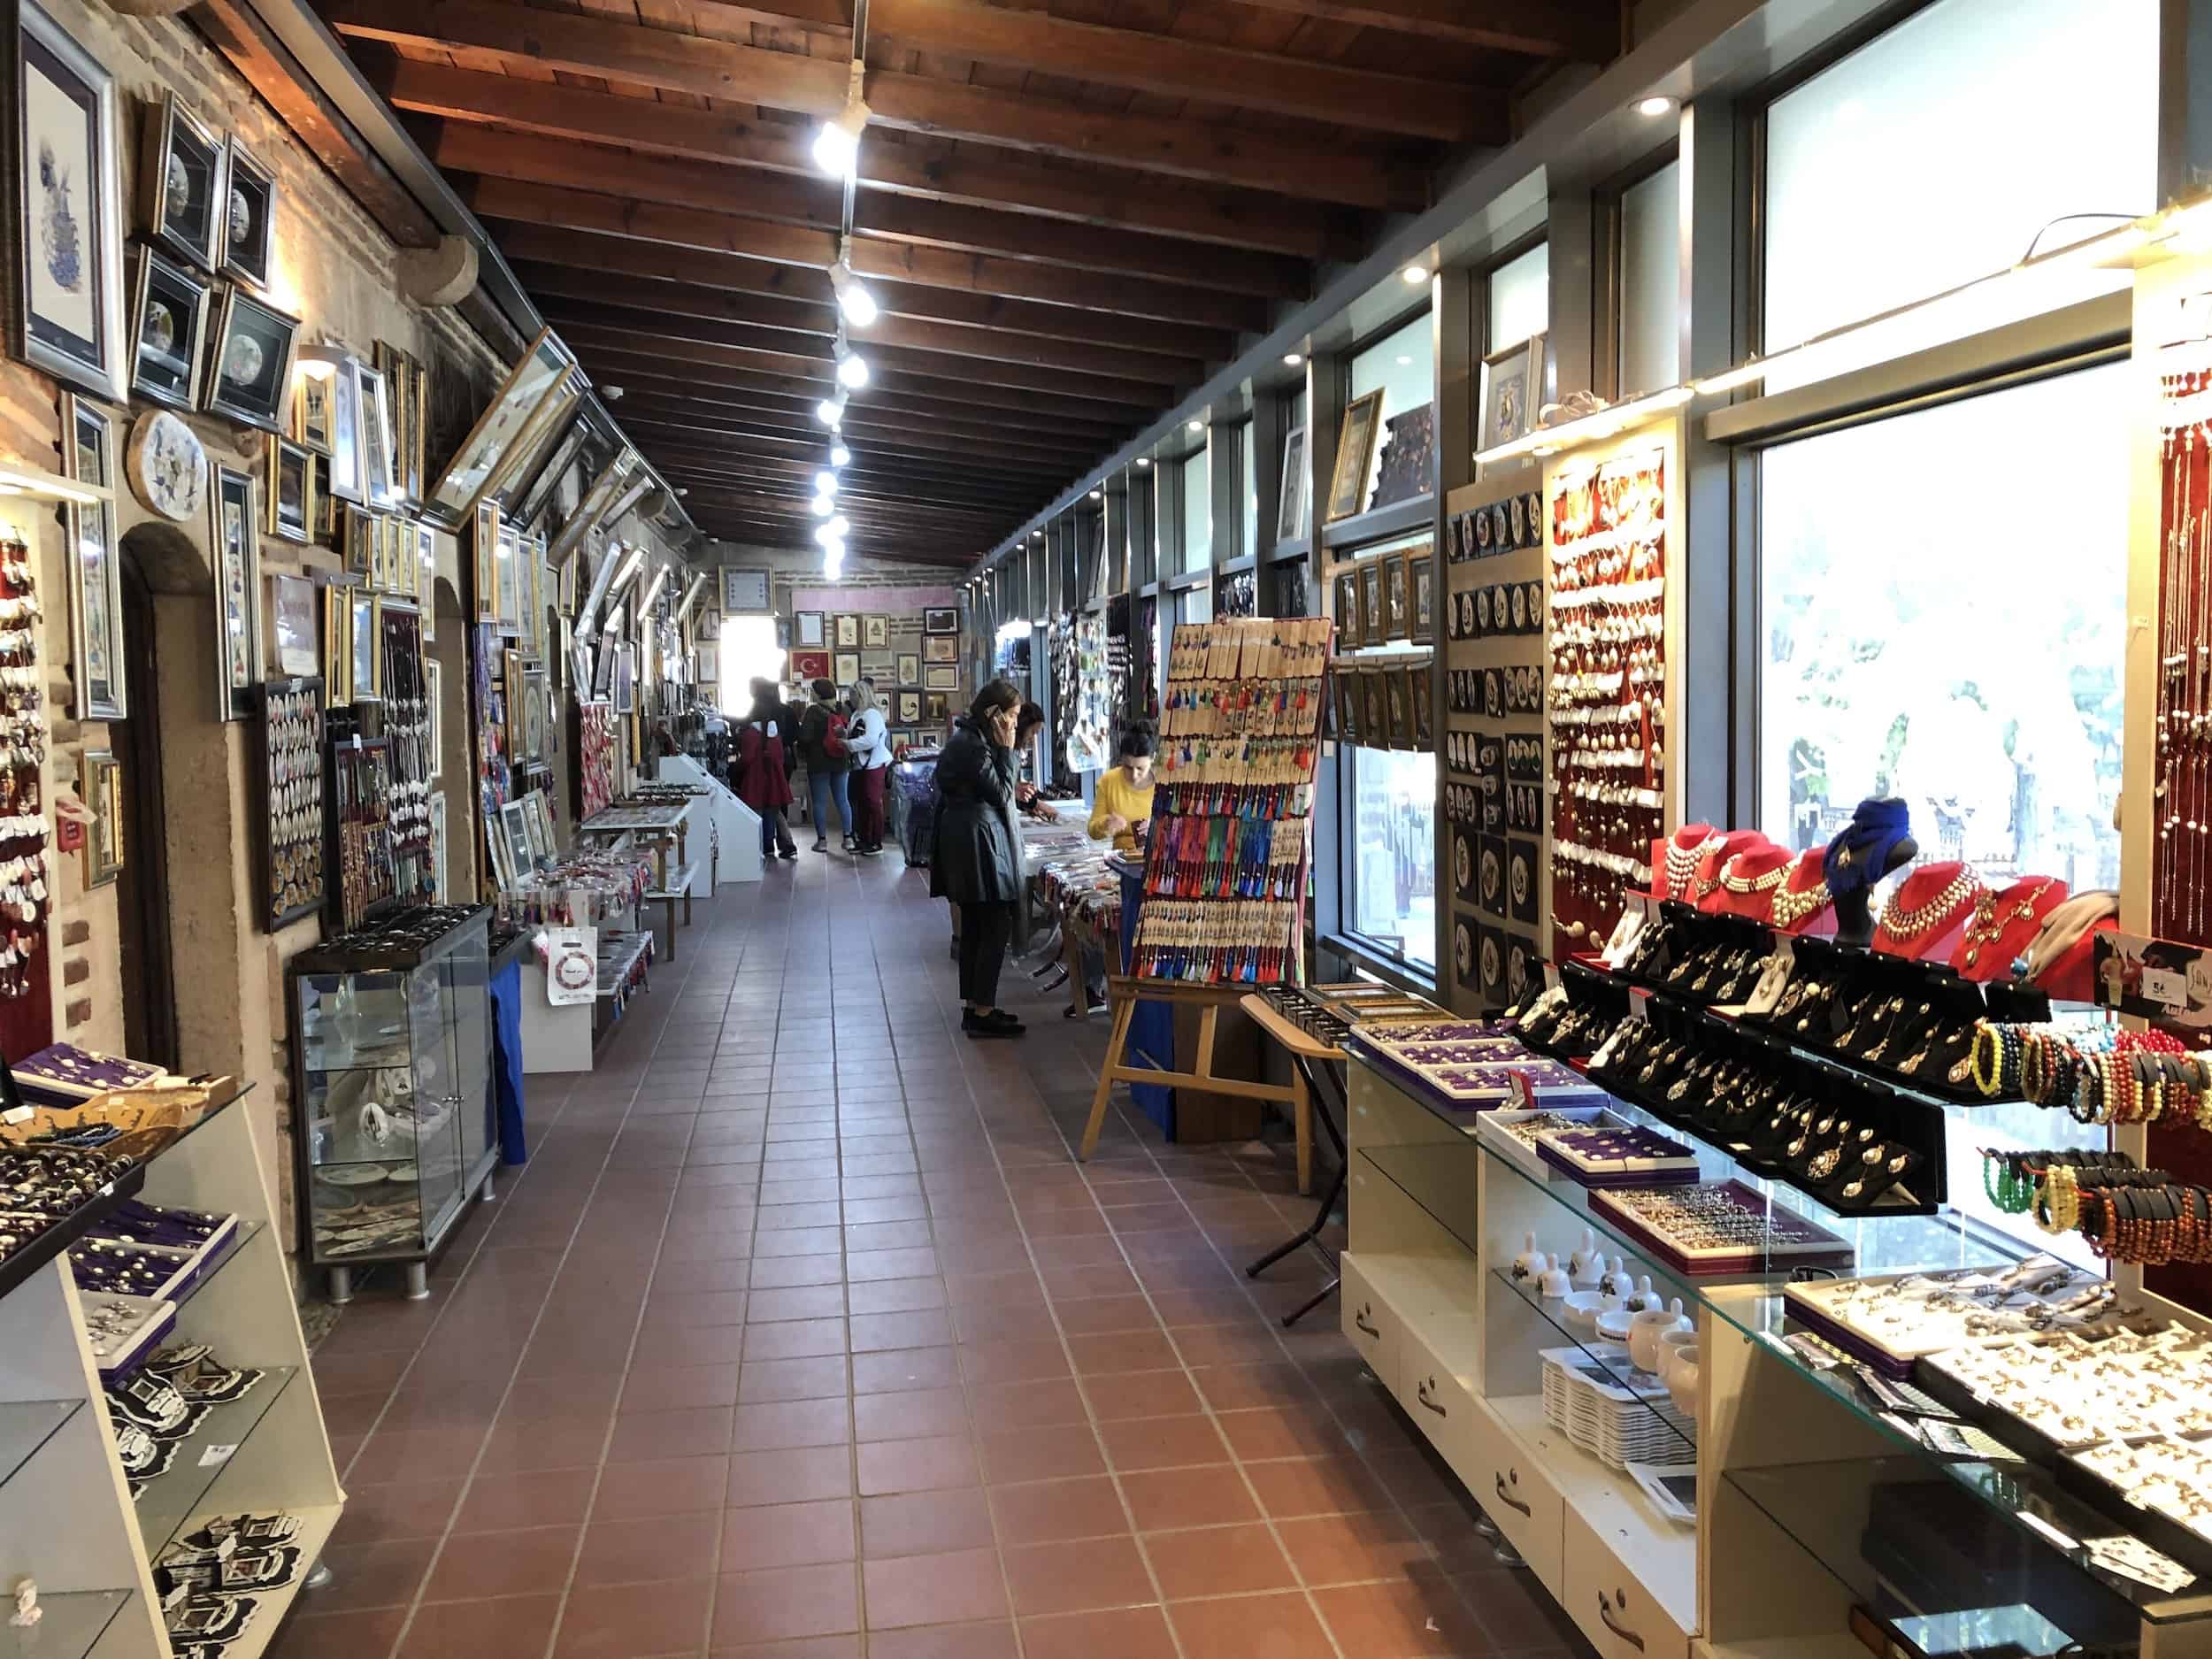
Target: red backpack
834	744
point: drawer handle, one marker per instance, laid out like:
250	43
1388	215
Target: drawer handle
1422	1394
1508	1498
1360	1319
1605	1612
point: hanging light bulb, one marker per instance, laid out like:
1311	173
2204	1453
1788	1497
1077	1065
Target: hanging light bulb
827	535
852	368
857	305
830	411
840	456
826	483
824	505
837	144
838	526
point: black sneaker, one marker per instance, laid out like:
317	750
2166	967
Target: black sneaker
1004	1021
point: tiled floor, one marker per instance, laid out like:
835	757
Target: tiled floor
804	1337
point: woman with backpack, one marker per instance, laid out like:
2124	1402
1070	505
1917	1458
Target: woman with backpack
763	783
823	745
870	741
976	862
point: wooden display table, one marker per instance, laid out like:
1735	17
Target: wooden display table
1125	992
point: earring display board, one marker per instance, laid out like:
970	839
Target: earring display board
24	832
595	757
294	859
1493	816
1606	706
359	794
407	724
1224	881
2184	789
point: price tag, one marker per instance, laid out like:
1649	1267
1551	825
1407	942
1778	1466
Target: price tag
216	1456
1551	976
1638	1003
2163	985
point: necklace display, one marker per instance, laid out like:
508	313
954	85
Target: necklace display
2183	790
1793	908
1226	868
1682	863
292	791
1912	926
1606	702
1766	883
1989	922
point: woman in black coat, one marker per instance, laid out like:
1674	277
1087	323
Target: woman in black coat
976	860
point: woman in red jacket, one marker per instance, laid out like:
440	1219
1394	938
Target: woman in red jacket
762	783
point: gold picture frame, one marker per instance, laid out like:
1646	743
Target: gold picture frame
337	644
100	786
1354	456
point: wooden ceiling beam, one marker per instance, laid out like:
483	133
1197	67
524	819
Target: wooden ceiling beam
1177	66
585	45
1219	153
539	246
555	210
649	221
867	486
916	394
648	325
793	504
648	425
681	299
649	406
985	470
1588	31
1130	200
800	396
1088	247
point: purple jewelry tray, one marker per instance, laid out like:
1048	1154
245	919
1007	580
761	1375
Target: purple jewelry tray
1504	1087
1846	1341
1826	1250
1581	1177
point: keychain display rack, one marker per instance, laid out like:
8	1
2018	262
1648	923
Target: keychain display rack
2183	790
1224	881
24	832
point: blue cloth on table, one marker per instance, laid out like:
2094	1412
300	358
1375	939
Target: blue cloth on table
1151	1039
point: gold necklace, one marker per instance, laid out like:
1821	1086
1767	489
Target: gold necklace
1904	927
1766	883
1793	908
1986	926
1682	863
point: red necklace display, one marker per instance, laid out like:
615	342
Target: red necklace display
1682	862
1997	914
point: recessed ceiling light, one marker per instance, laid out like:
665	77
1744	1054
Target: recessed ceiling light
1292	360
1098	495
1405	359
1655	105
1144	460
1197	426
1414	274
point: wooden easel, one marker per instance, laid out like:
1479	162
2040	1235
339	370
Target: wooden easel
1125	992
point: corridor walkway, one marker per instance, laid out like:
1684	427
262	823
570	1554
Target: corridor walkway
804	1337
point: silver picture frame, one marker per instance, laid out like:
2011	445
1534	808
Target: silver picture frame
90	456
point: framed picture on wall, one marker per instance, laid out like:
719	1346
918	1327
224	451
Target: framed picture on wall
430	685
1373	617
1421	584
292	619
935	709
364	635
909	706
237	595
1398	597
808	666
940	619
95	572
807	630
848	633
910	669
940	648
1347	595
942	677
1354	454
1512	387
875	633
1290	511
846	669
100	786
337	648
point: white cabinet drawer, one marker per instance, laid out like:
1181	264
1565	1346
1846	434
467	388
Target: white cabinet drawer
1434	1396
1615	1609
1369	1322
1515	1491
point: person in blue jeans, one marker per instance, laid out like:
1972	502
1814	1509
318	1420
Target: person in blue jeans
828	761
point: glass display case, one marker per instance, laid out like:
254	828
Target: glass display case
391	1045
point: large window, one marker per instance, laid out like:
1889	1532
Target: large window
1520	298
1650	283
1401	365
1198	513
1248	448
1941	152
749	651
1386	816
1960	648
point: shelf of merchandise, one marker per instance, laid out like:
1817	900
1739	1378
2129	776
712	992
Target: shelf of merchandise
67	1519
1436	1218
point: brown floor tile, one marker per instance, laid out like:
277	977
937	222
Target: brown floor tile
804	1648
822	1378
1218	1561
927	1464
523	1561
794	1338
1028	1405
1253	1627
1134	1632
779	1425
947	1588
1354	1549
375	1575
905	1368
797	1301
511	1627
630	1492
1140	1393
910	1415
785	1603
1078	1577
993	1640
924	1328
1211	1494
1161	1442
680	1388
366	1634
1316	1485
630	1619
795	1475
895	1295
660	1546
923	1523
1031	1361
1281	1432
1053	1511
1123	1351
1049	1454
787	1535
383	1514
1421	1618
655	1436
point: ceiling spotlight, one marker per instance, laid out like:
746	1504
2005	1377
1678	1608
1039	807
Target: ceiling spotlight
1144	460
840	456
852	368
1194	426
858	305
1293	360
826	483
830	411
824	505
612	393
1414	274
826	534
1098	495
837	145
1655	105
838	526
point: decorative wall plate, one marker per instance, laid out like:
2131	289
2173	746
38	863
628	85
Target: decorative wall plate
168	467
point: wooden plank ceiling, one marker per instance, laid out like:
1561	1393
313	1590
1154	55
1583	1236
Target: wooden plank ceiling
1068	210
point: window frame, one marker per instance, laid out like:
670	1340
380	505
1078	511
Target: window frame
1609	228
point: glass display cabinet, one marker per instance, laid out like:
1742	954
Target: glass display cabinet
391	1053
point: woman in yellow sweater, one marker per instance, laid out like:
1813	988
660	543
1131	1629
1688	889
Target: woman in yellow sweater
1123	797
